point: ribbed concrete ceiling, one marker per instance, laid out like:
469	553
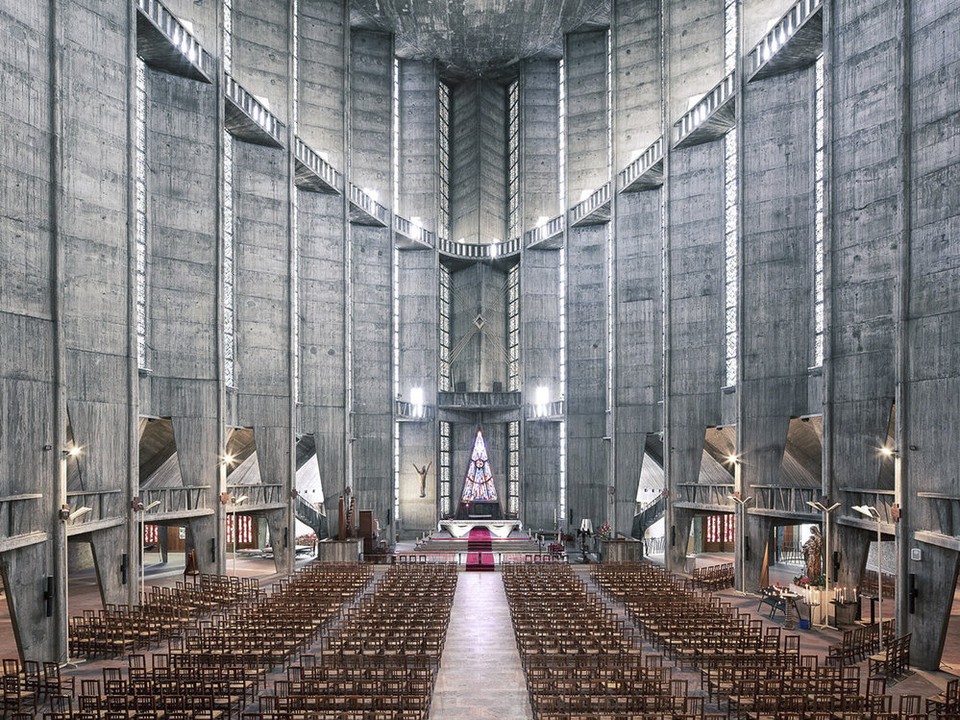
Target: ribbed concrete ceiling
478	37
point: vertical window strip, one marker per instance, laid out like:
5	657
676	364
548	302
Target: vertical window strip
141	211
229	272
396	135
445	301
562	133
295	230
730	203
443	219
513	160
731	260
609	240
228	36
819	248
730	37
513	468
445	483
395	334
562	290
513	327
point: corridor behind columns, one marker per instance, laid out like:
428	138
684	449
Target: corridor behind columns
480	674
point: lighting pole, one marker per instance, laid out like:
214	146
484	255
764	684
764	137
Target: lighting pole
742	532
142	510
67	515
825	511
872	513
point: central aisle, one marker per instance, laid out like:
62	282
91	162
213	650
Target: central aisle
480	673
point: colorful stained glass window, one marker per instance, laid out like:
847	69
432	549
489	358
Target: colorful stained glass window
720	528
478	484
151	534
244	529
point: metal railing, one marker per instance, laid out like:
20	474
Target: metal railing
551	229
253	109
478	399
642	165
408	411
785	498
16	520
414	232
317	165
190	498
712	494
258	495
781	33
311	516
103	504
550	411
476	251
178	35
882	500
598	198
705	108
370	206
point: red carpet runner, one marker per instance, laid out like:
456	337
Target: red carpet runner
479	551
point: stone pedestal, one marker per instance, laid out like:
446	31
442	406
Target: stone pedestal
340	550
621	550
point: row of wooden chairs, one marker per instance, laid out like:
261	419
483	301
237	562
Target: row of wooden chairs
366	666
713	577
755	686
861	642
894	660
552	608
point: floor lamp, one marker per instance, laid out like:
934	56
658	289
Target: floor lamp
872	513
828	558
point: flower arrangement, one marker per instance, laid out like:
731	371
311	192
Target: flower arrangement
804	581
604	532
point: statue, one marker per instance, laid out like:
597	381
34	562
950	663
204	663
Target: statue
811	554
422	472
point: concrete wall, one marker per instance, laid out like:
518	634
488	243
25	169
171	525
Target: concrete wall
695	352
323	255
28	399
586	248
371	277
478	211
638	251
930	358
777	258
183	262
418	289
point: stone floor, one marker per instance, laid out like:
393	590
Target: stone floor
480	674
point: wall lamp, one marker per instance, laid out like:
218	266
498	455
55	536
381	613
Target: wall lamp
69	515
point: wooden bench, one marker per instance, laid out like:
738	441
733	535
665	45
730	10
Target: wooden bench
894	661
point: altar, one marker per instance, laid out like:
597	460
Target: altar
461	528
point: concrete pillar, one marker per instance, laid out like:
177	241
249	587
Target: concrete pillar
324	39
587	403
371	278
694	350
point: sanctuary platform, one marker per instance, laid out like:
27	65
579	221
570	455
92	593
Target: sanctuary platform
462	528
